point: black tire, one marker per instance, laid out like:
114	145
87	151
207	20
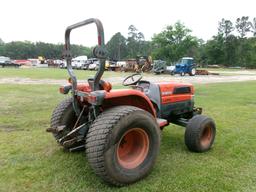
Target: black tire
63	114
200	133
182	74
105	139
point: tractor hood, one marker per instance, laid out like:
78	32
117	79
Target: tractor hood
180	65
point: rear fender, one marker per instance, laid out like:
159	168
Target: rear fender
128	97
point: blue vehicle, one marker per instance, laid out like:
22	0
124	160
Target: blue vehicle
186	65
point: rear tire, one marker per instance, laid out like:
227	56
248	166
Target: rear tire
200	133
192	72
122	145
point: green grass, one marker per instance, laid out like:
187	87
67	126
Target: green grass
31	160
51	73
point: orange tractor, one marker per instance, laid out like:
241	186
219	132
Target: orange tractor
120	130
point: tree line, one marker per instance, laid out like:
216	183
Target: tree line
233	45
27	49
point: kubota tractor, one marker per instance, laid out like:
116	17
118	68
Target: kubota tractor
120	129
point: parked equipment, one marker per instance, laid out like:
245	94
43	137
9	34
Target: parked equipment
159	66
202	72
205	72
41	59
144	64
112	66
120	129
138	65
185	66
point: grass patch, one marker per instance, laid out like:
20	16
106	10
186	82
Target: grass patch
31	160
52	73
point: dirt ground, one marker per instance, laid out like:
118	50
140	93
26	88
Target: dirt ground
226	76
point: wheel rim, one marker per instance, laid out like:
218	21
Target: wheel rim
193	71
206	136
133	148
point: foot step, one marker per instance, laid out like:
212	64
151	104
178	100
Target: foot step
162	122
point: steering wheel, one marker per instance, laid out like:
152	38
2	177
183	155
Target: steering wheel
132	79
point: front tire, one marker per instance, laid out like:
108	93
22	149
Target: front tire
64	115
122	145
200	133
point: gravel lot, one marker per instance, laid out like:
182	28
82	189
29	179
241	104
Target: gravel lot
226	76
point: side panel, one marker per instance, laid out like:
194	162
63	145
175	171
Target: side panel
176	109
176	99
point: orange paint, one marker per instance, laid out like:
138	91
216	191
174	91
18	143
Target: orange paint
167	89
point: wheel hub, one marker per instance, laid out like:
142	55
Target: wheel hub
206	137
133	148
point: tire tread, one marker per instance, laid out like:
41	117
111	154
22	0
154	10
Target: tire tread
97	137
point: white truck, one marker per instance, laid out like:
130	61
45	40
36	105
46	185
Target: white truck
7	62
78	62
93	63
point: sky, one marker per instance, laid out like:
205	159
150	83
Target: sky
46	20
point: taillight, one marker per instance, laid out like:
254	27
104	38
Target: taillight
107	86
61	90
65	89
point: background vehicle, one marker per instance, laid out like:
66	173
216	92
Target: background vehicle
170	69
112	66
186	65
144	64
35	62
122	65
85	65
7	62
79	61
93	63
120	129
159	66
63	64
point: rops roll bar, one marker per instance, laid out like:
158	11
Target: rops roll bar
99	52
